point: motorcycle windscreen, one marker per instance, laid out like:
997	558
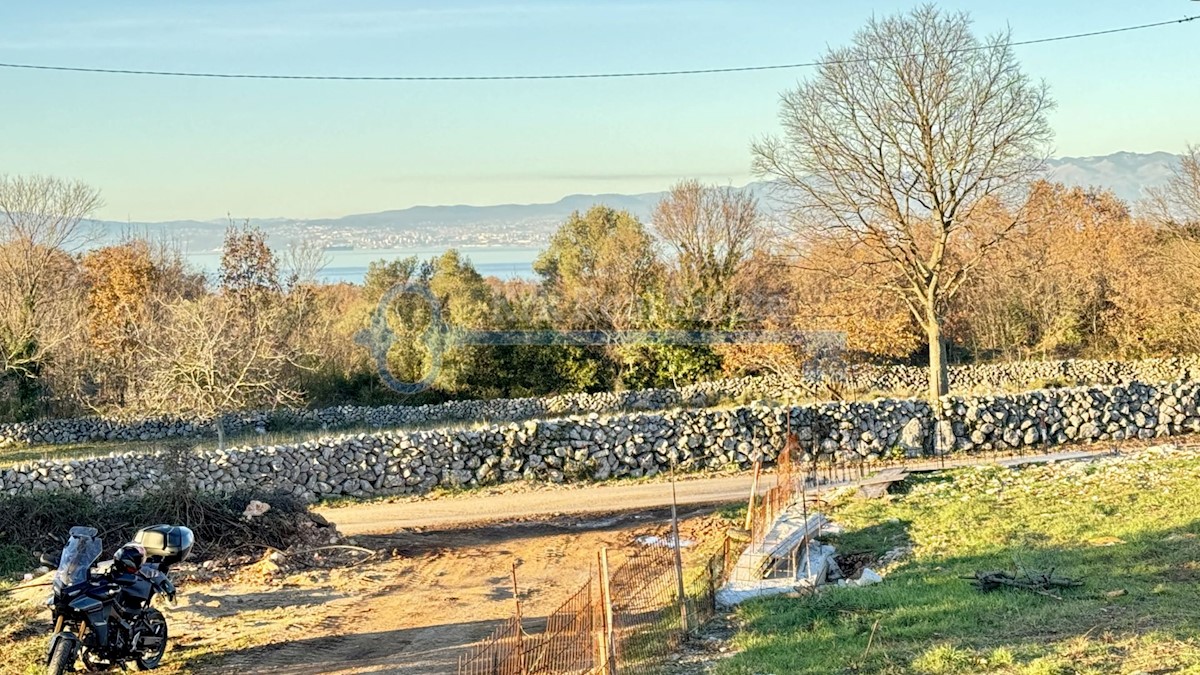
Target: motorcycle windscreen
78	556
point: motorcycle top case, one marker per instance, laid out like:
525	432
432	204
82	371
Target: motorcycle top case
168	544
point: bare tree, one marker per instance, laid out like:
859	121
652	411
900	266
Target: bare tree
302	262
42	219
895	143
1176	205
714	232
209	358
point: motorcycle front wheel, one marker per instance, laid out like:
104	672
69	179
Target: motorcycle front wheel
156	626
63	658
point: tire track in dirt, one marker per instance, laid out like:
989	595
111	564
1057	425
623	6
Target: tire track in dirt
441	592
353	637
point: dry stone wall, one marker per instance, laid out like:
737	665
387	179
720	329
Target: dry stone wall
595	447
1001	376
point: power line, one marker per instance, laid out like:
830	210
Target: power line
563	76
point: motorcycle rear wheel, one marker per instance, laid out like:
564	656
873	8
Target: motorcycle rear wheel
63	658
156	623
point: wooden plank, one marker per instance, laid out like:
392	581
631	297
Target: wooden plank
886	476
785	546
875	487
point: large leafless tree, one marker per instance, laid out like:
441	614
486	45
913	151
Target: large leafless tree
208	358
42	220
1176	205
895	143
714	232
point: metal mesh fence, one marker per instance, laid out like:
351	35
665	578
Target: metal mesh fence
636	632
566	645
500	653
701	584
647	625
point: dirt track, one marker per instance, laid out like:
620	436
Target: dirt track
384	517
415	612
380	517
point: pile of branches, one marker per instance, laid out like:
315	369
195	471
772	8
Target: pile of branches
31	524
1042	583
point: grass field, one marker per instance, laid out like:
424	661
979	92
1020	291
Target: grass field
1128	527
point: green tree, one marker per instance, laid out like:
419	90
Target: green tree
597	269
407	315
466	304
382	275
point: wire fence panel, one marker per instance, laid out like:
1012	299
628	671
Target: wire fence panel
500	653
567	645
646	612
700	587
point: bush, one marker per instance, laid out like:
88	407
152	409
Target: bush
30	523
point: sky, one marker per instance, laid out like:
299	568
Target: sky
178	148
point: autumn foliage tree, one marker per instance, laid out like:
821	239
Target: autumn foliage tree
1079	277
127	287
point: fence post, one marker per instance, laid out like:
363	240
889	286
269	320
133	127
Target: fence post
610	649
753	490
683	616
519	622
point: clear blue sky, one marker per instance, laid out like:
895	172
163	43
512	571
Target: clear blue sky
181	148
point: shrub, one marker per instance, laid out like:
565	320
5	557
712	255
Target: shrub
32	523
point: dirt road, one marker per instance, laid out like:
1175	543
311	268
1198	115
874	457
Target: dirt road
381	518
414	612
451	511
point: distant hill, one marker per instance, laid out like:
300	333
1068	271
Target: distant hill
1126	173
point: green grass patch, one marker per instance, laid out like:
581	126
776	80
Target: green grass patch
1130	529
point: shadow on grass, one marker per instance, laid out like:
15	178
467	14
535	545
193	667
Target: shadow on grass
1143	586
875	540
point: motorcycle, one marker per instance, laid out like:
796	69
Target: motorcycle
102	613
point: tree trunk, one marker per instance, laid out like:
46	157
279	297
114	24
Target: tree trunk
220	422
939	376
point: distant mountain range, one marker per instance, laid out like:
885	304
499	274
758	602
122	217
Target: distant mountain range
1127	174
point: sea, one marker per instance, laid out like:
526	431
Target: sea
503	262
